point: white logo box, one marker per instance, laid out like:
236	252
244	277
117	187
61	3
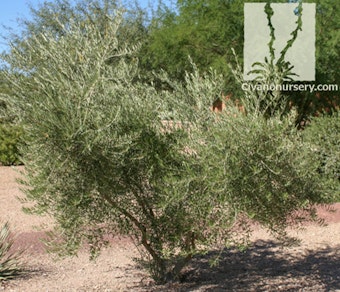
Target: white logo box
257	36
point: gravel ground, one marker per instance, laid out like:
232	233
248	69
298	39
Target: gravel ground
314	265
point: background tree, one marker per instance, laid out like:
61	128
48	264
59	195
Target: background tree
327	60
203	30
208	30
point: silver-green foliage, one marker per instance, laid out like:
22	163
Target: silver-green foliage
107	154
263	168
323	136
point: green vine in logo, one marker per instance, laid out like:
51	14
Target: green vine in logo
281	70
272	73
262	95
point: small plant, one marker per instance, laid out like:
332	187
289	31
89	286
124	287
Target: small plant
10	266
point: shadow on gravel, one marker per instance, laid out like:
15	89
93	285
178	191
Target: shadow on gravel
24	274
30	242
264	267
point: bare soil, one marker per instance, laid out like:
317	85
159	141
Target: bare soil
313	265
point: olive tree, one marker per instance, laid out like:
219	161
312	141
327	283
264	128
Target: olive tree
106	154
109	154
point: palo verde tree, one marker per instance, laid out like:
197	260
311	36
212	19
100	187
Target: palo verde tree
109	154
203	30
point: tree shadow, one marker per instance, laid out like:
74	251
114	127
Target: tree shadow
25	273
267	266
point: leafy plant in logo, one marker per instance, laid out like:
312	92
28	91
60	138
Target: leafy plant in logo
264	95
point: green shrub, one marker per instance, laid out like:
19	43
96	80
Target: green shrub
261	169
10	138
10	265
323	135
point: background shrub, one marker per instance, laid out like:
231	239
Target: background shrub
323	134
10	139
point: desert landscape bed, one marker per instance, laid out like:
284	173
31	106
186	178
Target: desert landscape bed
313	265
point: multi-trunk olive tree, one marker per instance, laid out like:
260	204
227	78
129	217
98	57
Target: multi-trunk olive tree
108	154
105	153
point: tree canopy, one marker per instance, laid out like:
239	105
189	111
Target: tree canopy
114	148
